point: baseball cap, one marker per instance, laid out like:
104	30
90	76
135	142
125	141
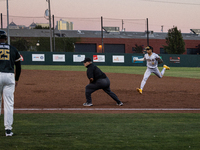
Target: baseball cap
149	47
3	34
86	60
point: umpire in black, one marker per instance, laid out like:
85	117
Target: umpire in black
98	80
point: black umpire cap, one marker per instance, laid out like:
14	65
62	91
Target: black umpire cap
87	60
3	34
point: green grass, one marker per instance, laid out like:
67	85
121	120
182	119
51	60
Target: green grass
185	72
103	132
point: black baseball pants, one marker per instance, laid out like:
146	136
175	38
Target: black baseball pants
100	84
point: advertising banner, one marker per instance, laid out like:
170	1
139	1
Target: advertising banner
58	58
98	58
78	58
38	57
118	58
174	59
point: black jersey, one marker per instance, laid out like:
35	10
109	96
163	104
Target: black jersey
94	72
8	56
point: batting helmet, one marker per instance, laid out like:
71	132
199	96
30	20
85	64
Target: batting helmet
3	34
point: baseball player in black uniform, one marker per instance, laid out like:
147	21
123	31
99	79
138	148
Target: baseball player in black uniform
9	56
98	80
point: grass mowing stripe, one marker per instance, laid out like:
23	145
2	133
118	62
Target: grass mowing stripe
103	131
185	72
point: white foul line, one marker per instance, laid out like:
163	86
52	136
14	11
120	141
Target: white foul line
124	109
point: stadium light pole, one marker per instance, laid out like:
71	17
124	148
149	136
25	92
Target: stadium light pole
147	33
54	44
1	21
102	34
50	25
122	25
8	34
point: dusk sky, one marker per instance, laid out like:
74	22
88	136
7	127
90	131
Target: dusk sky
86	14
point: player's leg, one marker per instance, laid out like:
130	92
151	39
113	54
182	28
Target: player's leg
1	91
157	72
146	76
8	97
106	89
1	88
163	71
89	89
165	67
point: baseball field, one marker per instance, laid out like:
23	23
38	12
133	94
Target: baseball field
49	112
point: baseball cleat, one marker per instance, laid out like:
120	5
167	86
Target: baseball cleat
87	104
139	90
166	67
9	133
120	104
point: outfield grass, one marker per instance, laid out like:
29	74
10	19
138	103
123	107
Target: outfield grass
103	132
185	72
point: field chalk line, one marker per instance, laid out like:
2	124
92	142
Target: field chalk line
124	109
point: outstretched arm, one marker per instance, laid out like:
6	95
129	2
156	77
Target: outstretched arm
141	59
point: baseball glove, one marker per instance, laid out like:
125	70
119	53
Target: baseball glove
160	61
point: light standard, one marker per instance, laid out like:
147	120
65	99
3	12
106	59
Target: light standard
102	35
8	34
50	24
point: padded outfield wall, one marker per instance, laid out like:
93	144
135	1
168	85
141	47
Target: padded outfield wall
106	59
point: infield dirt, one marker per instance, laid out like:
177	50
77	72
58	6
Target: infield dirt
66	89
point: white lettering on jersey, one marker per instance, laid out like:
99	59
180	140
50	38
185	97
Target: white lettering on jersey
5	46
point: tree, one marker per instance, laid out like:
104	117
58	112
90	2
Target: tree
175	42
138	49
21	44
40	27
66	44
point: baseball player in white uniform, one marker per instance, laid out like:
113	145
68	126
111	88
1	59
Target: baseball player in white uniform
9	57
152	66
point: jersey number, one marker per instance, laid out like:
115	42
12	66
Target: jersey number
4	54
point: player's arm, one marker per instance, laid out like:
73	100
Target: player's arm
91	80
140	59
90	74
160	61
157	58
17	71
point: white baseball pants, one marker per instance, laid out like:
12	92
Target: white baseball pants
7	88
148	73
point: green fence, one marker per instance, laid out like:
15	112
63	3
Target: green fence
107	59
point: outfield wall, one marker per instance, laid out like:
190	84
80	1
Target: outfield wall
106	59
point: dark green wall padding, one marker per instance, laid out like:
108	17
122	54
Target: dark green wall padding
185	60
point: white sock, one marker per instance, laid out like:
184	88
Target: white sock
163	71
142	84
